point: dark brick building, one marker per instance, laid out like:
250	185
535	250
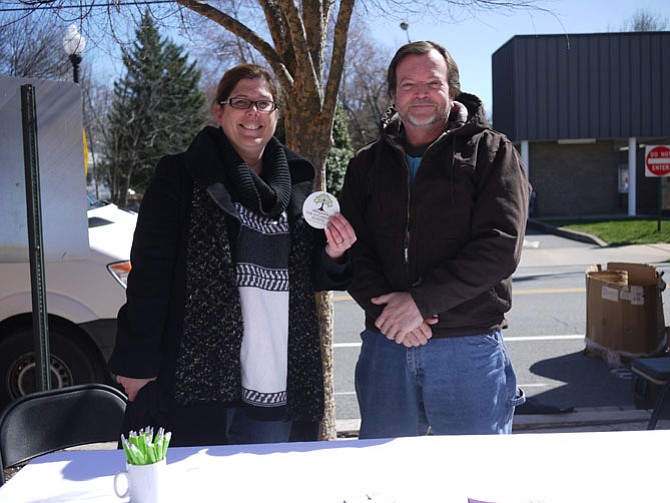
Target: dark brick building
581	109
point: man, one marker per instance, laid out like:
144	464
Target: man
439	204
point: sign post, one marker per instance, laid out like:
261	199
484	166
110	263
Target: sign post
657	164
35	240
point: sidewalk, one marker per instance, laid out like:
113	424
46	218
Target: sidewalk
586	256
595	253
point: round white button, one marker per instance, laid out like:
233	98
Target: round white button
318	207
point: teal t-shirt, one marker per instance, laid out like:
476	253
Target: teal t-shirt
413	163
413	156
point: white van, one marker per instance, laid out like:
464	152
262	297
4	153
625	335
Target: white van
82	300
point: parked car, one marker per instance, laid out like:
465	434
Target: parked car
82	301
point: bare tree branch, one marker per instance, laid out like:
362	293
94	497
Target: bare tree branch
305	70
241	30
645	20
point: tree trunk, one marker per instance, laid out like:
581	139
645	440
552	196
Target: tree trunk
309	134
311	137
324	302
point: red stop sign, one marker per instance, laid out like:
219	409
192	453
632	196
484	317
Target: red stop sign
657	160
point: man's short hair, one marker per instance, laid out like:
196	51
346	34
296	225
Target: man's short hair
418	49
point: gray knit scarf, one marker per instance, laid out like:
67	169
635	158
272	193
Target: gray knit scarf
267	195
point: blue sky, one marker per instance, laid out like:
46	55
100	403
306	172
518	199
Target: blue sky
473	40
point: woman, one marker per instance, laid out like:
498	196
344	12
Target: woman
218	341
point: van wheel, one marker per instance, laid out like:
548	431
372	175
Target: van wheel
71	363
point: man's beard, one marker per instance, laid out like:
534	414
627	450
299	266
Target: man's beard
437	117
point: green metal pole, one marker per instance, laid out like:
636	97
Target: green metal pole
36	248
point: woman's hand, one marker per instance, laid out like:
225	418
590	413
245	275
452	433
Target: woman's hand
132	386
340	235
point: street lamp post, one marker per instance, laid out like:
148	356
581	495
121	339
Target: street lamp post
405	27
74	45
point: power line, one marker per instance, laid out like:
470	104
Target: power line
37	6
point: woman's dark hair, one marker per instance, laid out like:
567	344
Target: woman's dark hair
237	73
418	49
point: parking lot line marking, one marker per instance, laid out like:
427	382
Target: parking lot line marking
530	338
542	291
537	291
544	338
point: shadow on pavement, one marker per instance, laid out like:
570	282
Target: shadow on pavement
587	383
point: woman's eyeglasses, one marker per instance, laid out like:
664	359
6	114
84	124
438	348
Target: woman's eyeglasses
244	104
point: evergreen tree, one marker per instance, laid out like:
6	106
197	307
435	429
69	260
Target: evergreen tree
340	154
157	109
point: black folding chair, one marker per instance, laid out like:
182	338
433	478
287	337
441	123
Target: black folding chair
660	407
49	421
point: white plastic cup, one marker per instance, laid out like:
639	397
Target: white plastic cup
144	483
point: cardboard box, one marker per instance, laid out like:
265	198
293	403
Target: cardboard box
624	311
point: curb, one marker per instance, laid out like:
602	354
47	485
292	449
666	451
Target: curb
596	419
588	419
565	233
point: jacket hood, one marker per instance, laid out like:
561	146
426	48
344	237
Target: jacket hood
467	117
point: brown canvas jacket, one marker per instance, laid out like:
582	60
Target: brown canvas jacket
455	241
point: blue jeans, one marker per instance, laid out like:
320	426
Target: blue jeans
454	386
244	429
